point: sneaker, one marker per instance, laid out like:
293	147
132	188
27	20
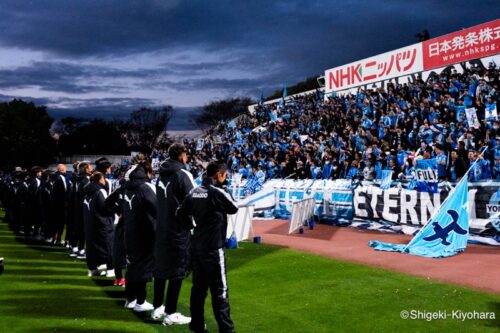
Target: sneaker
146	306
130	305
110	273
122	283
74	252
82	251
81	256
176	319
49	240
158	313
95	272
102	267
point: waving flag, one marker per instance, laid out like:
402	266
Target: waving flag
284	90
444	235
261	99
426	177
386	180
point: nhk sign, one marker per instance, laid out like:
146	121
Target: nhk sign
406	60
473	43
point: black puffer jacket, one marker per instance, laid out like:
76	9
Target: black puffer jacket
139	217
114	203
98	222
172	235
81	181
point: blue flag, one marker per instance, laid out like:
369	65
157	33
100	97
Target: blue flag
444	235
426	176
386	179
284	90
261	99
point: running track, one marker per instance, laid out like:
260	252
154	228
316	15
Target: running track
478	267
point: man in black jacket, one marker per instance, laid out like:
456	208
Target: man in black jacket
83	178
60	200
209	205
172	236
457	167
33	220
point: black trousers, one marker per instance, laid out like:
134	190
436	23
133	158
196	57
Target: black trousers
136	290
173	291
209	272
58	222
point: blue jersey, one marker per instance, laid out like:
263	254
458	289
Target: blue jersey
496	170
327	171
401	158
441	164
353	173
475	173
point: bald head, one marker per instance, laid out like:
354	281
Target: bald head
61	168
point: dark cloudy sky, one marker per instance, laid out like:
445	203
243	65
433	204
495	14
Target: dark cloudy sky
108	55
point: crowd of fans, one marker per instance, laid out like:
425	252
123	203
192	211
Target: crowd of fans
358	136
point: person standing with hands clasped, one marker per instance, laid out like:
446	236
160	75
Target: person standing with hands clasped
208	205
172	236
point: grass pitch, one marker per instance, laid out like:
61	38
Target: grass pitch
271	289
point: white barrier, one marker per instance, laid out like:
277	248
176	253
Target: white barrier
240	223
302	211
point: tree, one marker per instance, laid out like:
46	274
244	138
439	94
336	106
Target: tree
146	127
223	109
94	137
24	134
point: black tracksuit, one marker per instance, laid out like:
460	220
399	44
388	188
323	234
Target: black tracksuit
139	217
47	211
98	222
79	231
33	216
172	236
61	191
21	199
114	202
209	205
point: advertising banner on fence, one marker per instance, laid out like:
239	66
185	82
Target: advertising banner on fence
472	43
342	200
403	61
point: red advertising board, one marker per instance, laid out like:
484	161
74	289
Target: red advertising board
472	43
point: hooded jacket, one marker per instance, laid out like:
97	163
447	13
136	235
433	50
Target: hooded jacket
114	203
81	181
172	234
139	217
98	224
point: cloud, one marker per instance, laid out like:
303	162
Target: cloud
212	48
59	77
